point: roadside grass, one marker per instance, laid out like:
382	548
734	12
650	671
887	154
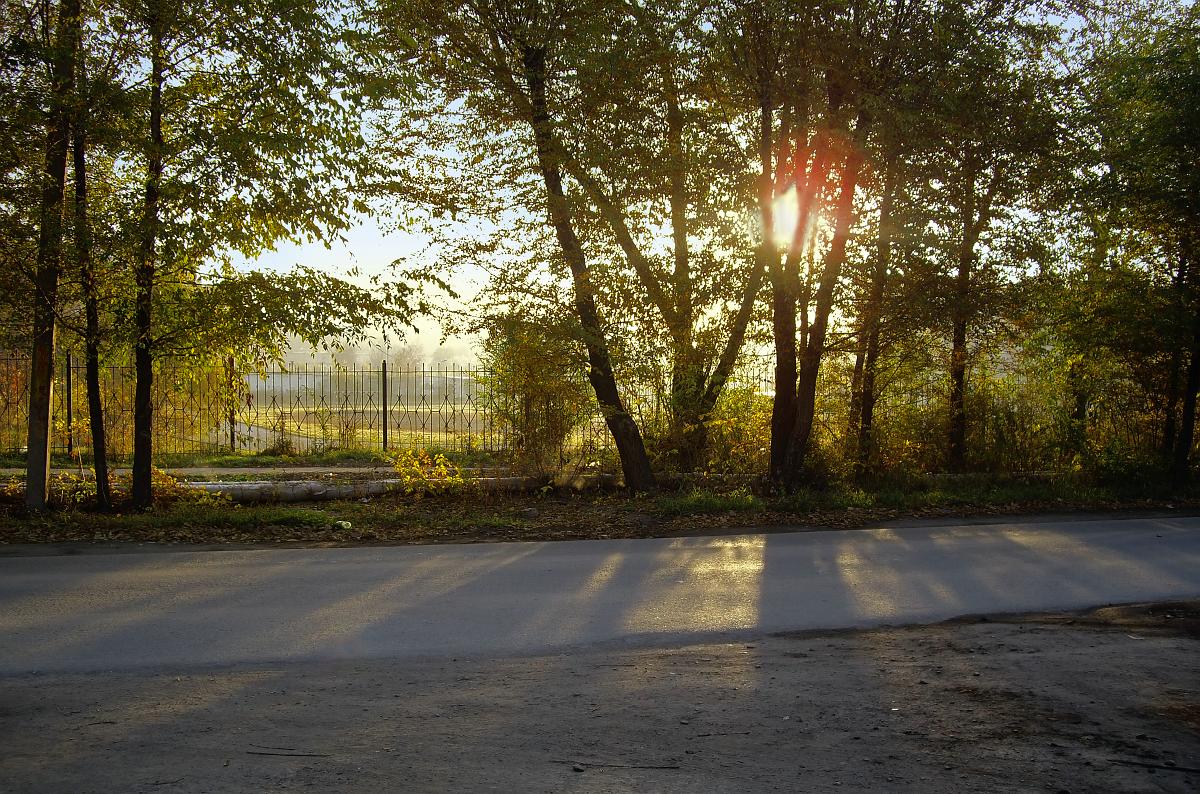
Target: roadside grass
965	493
175	523
471	515
229	517
705	501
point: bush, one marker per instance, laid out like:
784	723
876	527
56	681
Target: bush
420	472
739	432
76	491
537	389
282	447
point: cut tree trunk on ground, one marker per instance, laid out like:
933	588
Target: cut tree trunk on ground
324	491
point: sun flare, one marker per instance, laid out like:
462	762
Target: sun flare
785	212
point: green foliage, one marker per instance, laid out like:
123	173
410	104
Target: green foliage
281	447
283	123
1145	85
1127	469
947	492
807	500
240	517
739	432
536	389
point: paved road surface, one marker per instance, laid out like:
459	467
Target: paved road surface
123	611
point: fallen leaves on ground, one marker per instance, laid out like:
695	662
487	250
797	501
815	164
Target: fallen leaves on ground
477	518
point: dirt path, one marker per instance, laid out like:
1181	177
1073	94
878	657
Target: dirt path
1108	701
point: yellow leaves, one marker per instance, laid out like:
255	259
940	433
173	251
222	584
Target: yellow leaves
421	472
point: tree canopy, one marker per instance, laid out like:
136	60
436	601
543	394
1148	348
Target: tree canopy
873	196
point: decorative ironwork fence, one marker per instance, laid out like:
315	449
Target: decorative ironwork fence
300	408
1018	422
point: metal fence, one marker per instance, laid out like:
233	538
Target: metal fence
1017	420
301	408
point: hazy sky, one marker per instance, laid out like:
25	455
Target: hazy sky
371	249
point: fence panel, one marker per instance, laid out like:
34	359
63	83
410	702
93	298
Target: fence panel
1018	422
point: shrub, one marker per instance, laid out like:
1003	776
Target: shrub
739	432
420	472
537	389
76	491
281	447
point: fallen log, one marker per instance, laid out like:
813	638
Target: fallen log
325	490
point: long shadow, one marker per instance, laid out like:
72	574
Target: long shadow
109	617
762	583
931	573
142	718
685	586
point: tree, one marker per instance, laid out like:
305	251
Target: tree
530	361
221	173
24	86
999	128
835	66
504	62
1143	87
650	148
49	250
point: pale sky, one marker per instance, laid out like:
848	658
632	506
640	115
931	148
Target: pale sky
371	249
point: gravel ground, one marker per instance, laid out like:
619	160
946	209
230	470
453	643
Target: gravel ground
1106	701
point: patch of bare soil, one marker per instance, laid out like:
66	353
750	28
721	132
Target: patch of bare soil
1174	617
1104	701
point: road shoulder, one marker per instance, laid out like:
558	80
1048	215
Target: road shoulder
1098	700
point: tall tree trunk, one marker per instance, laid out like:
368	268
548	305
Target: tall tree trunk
785	299
958	362
814	350
1077	433
49	256
783	329
974	216
87	277
865	447
144	274
1175	368
688	416
634	462
1181	467
687	365
855	408
804	294
1182	463
872	318
1171	409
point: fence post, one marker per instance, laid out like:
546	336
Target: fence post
70	405
383	372
232	418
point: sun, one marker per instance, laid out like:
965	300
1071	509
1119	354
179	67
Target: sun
785	211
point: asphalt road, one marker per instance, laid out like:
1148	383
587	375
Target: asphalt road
187	609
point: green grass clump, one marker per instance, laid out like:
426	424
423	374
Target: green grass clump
243	517
808	500
701	501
